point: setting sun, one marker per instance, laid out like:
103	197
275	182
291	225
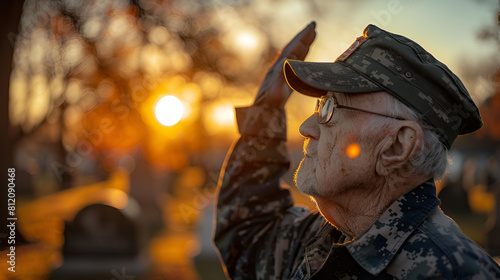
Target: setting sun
169	110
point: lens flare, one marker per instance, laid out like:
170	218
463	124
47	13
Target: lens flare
353	150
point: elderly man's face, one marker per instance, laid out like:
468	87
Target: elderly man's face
338	160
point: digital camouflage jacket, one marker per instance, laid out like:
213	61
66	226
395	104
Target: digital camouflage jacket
261	235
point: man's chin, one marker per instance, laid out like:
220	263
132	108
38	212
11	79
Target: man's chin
304	179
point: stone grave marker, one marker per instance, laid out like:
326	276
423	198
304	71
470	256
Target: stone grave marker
99	241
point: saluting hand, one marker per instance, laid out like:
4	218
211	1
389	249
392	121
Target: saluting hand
274	91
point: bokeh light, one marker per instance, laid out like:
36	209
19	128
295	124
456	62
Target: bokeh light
247	40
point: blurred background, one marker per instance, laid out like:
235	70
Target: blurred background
117	116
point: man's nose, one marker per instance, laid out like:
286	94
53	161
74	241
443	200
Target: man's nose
310	127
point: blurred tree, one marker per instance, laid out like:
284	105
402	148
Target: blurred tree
84	71
484	76
490	110
10	16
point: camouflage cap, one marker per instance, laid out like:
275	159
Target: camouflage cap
383	61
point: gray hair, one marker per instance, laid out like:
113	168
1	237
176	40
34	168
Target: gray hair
432	159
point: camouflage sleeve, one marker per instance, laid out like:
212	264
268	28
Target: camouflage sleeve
253	210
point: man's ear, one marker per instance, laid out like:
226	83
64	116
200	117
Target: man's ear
399	147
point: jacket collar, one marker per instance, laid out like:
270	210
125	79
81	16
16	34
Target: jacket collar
375	248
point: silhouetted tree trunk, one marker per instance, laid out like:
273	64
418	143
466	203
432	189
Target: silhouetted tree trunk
10	15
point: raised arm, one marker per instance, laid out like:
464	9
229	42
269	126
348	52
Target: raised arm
252	206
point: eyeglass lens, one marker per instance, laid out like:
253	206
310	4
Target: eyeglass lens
324	107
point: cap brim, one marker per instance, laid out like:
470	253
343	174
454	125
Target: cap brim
317	78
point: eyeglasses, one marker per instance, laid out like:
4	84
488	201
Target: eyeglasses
326	105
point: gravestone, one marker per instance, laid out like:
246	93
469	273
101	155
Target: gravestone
102	242
100	231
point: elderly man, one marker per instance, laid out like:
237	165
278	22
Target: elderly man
399	110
